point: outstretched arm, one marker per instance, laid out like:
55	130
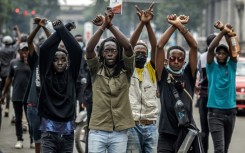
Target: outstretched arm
151	34
190	41
128	50
226	29
32	35
160	53
136	34
93	41
71	45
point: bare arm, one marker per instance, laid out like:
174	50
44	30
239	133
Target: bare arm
216	40
31	37
6	87
160	53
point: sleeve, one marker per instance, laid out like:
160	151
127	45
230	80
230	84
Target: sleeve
129	63
32	60
73	48
47	51
210	67
93	65
11	69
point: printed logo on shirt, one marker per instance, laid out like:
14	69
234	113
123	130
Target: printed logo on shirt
37	81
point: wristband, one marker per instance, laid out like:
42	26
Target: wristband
183	30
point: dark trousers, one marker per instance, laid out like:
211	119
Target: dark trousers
18	110
221	126
166	143
52	142
203	111
7	101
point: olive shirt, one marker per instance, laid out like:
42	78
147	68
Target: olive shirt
111	107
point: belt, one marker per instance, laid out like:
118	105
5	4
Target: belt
232	111
145	122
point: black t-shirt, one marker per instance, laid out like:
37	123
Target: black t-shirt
20	74
7	53
33	89
168	120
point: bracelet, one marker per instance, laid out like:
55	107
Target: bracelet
109	25
183	30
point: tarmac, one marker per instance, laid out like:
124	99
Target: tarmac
8	137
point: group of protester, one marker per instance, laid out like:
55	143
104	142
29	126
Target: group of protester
134	105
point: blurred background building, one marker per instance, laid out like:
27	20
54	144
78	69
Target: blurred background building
203	15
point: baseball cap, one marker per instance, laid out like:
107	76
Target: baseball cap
23	45
7	40
222	46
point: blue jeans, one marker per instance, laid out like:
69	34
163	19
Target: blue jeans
34	123
52	142
112	141
142	139
221	125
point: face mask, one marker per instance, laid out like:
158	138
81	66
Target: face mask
81	44
140	61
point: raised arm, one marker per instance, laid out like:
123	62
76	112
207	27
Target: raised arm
160	53
136	34
71	45
128	50
216	40
190	41
32	36
151	34
93	41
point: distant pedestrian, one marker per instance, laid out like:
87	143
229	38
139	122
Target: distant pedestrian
19	75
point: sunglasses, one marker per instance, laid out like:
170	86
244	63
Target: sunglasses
173	58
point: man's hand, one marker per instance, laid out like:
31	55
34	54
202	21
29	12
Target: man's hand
108	18
145	15
219	25
183	19
228	29
172	19
98	20
36	20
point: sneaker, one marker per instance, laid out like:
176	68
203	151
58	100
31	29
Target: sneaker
19	145
32	146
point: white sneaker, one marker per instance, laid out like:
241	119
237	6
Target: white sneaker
19	145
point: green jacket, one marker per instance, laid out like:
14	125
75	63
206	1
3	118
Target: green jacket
111	107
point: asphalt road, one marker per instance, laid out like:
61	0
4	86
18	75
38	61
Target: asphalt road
8	138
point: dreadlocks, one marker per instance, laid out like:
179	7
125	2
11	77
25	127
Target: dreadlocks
119	64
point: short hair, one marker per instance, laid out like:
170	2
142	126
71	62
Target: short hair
62	50
141	42
175	47
222	46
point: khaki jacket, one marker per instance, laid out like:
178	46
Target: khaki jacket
142	95
111	107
